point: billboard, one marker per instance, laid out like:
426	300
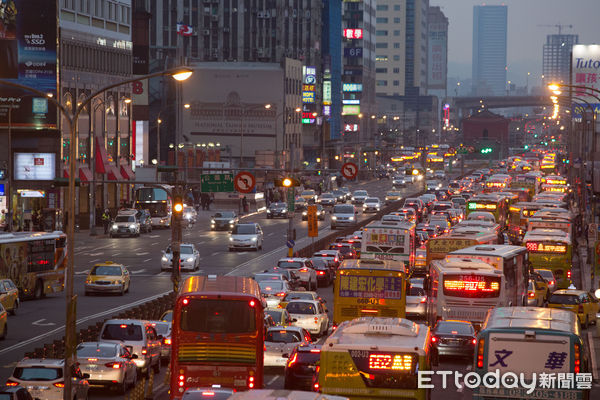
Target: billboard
28	56
34	166
437	56
586	72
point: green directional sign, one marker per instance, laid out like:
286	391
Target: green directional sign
462	150
291	199
211	183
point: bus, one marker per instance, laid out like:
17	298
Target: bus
513	261
518	216
463	288
526	340
552	218
374	288
434	162
157	200
526	182
376	358
497	183
389	240
492	203
439	247
217	334
34	261
551	249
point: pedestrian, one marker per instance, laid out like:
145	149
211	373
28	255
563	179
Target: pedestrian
244	204
211	198
106	220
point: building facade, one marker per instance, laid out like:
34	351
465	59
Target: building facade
557	58
437	54
489	50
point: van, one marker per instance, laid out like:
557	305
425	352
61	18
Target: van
139	337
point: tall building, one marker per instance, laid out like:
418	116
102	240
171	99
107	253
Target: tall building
489	50
358	79
437	46
557	58
401	60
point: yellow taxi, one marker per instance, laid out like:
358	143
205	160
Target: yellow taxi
536	294
108	277
579	301
392	196
9	296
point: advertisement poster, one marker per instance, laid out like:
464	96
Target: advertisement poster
585	73
28	56
35	166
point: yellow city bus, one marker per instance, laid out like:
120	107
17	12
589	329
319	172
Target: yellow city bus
376	358
439	247
518	215
374	288
492	203
551	249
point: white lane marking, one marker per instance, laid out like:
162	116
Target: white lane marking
139	271
40	322
143	253
61	328
116	254
82	272
95	254
154	236
202	242
94	260
215	253
270	234
148	259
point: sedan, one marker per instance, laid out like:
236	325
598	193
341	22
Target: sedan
273	291
277	210
325	273
189	258
9	296
392	196
399	182
333	257
580	302
340	195
454	338
320	213
301	370
300	203
303	269
416	303
327	199
108	277
108	364
223	221
372	204
246	236
548	276
163	330
280	342
359	196
280	316
310	315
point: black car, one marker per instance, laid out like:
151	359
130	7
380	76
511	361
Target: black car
277	210
143	216
320	213
325	274
340	195
14	393
301	372
454	338
223	221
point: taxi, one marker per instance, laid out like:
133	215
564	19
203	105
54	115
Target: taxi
392	196
579	301
108	277
536	294
9	296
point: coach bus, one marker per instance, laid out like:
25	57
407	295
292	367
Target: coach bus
374	288
157	200
463	288
376	358
217	334
551	249
35	261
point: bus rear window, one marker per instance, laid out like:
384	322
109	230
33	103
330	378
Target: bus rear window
471	285
218	316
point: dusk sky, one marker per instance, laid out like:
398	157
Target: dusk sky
525	37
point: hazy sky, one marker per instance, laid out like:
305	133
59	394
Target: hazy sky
525	37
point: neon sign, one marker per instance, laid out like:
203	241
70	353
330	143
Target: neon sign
472	285
397	362
353	33
538	247
480	206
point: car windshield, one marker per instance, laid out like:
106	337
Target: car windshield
299	307
308	193
290	264
567	299
372	200
275	314
270	285
162	329
125	218
459	200
455	328
97	350
186	250
283	336
244	230
361	193
546	274
277	205
38	373
168	316
105	270
327	196
415	291
224	214
124	332
298	296
343	209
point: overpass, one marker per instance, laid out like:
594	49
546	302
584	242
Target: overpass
462	103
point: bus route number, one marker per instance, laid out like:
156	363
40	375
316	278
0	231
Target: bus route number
372	302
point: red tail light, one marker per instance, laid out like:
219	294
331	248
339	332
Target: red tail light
303	269
480	353
569	274
11	383
434	339
577	356
531	295
251	382
474	341
316	320
208	393
281	294
316	387
113	365
321	272
552	282
144	351
293	360
59	384
423	299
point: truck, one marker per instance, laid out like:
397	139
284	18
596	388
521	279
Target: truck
389	240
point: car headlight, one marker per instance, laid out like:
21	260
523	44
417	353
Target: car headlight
115	226
117	282
132	226
351	218
190	259
353	199
231	221
212	221
268	211
88	281
304	213
231	239
164	259
333	217
254	239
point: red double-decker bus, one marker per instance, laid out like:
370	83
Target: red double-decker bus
217	334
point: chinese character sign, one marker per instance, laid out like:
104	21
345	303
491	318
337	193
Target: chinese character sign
381	287
353	33
586	72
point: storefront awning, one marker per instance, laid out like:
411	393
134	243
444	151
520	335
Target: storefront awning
101	156
66	172
113	173
85	175
127	172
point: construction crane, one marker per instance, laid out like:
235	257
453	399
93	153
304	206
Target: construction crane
559	26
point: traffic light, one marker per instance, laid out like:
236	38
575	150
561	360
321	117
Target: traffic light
486	150
287	182
178	204
526	147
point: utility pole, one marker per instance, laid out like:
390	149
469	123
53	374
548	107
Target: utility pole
176	235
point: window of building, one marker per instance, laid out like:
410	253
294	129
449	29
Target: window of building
396	7
396	83
381	58
381	33
381	70
382	7
382	20
381	46
396	70
396	45
397	20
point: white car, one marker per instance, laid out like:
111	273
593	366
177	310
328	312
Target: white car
44	379
125	225
302	267
392	218
189	258
280	342
343	215
372	204
246	236
310	315
273	291
359	196
399	182
108	364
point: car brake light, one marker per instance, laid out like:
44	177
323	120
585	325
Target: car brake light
123	326
11	383
208	393
474	341
167	341
144	351
281	294
569	274
531	295
552	282
92	359
316	320
315	350
423	299
434	339
304	270
292	360
321	272
113	365
59	384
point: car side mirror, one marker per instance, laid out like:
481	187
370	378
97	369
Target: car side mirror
85	376
285	355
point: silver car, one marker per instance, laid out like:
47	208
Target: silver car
44	378
280	341
416	302
163	329
246	236
343	215
189	258
303	269
273	291
125	225
359	196
371	204
108	364
310	315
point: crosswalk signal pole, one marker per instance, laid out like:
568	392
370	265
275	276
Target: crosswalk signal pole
176	237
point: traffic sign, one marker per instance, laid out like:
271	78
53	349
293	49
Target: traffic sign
290	244
462	150
211	183
291	200
452	150
313	225
349	170
244	182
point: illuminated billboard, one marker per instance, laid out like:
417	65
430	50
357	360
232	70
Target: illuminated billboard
350	110
353	33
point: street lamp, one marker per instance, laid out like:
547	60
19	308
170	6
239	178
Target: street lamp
159	121
71	118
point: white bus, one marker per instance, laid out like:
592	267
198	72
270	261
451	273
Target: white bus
511	260
389	240
463	288
157	200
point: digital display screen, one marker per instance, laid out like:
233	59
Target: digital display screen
495	184
545	247
471	285
556	181
378	287
481	206
390	362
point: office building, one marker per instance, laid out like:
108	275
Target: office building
489	50
557	58
437	50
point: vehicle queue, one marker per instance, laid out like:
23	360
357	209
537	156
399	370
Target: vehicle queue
439	277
